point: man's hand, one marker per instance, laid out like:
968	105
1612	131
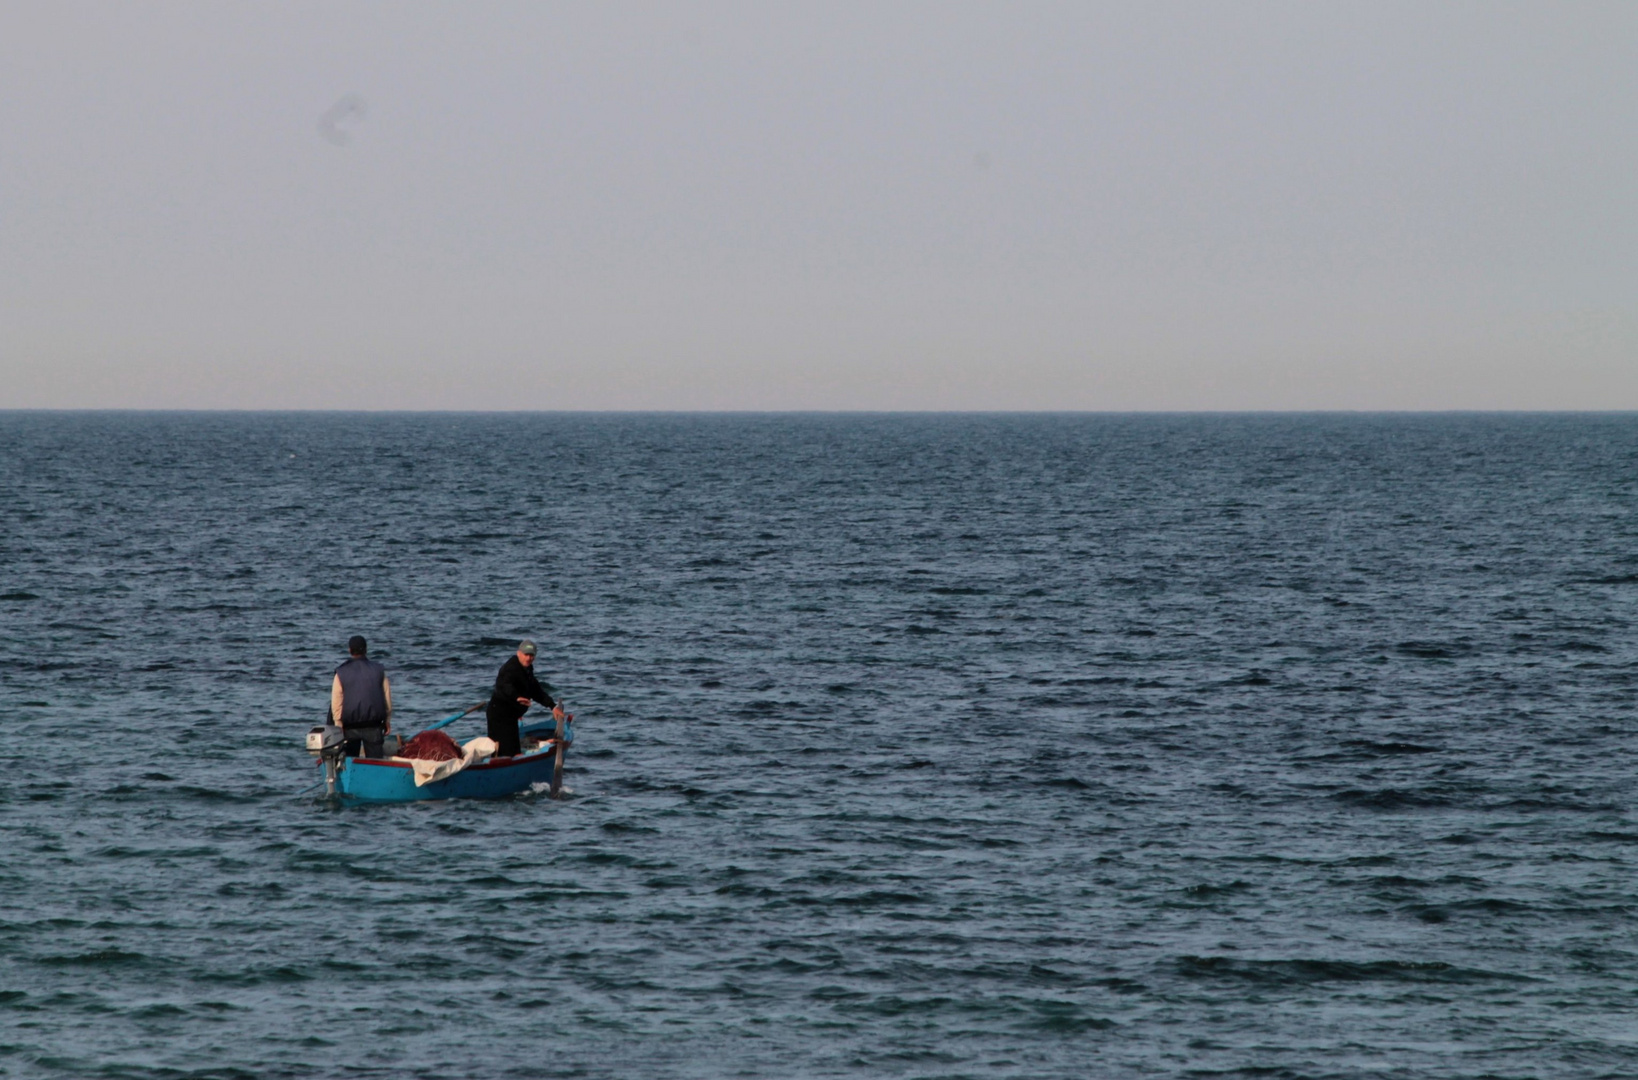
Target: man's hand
557	712
524	702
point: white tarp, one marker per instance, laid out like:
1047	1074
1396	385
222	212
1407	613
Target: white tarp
471	753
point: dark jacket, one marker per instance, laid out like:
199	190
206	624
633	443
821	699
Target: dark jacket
515	681
363	701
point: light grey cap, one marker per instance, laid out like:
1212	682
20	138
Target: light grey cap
526	647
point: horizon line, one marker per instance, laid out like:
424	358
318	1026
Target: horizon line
38	409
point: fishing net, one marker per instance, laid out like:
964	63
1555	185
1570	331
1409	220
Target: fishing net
431	746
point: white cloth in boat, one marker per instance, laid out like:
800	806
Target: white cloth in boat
471	753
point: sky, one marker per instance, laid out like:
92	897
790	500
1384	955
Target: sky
834	206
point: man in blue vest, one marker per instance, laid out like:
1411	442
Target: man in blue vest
361	701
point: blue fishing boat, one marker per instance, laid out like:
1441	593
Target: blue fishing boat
385	780
374	780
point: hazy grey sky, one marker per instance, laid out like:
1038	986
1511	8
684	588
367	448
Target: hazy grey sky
820	206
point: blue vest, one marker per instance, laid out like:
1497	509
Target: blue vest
363	700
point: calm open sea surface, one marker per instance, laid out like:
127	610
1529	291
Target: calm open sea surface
909	746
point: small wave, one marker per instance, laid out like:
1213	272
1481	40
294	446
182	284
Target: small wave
892	1005
878	898
204	794
97	958
261	890
1205	891
116	851
1390	799
1492	905
255	976
1396	881
1390	748
1066	1018
1307	972
1571	805
1431	650
626	827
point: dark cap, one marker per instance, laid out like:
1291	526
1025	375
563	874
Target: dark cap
357	646
526	647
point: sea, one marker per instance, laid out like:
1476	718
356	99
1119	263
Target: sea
923	745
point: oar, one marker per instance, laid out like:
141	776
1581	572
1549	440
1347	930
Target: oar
557	766
451	719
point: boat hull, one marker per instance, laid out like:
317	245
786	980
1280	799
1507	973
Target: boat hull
375	781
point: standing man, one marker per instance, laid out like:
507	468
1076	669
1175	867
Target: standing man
515	688
361	701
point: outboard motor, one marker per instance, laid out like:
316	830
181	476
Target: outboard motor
323	739
326	743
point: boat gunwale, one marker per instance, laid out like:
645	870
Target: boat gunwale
503	763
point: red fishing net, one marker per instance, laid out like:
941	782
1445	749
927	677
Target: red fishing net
431	746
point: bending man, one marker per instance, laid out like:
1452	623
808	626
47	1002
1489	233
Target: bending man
515	687
361	701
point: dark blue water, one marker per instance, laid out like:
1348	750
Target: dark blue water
909	746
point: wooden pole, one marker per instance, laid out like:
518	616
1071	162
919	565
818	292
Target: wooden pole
557	766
